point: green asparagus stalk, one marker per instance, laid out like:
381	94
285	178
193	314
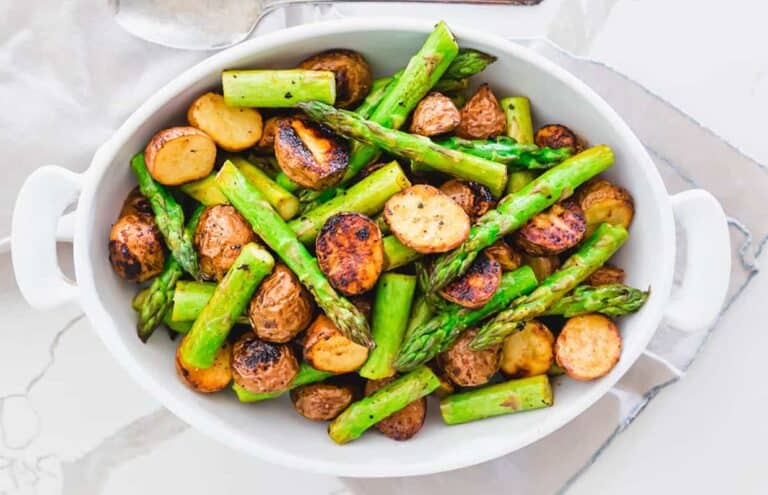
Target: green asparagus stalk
277	88
386	401
168	215
417	148
515	209
189	299
509	397
391	308
375	95
517	110
421	313
205	191
518	179
468	62
606	240
306	375
610	300
282	240
451	85
176	326
397	254
232	295
505	150
428	339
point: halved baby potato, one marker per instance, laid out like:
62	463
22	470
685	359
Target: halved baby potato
351	71
269	131
206	380
219	235
588	347
466	367
508	258
180	154
482	116
605	202
310	154
136	247
321	401
281	308
406	422
435	114
558	136
350	252
477	286
260	366
426	220
542	266
232	128
606	275
327	349
529	352
475	199
553	231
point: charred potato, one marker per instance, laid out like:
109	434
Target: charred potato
310	154
542	266
529	352
207	380
220	233
446	387
606	275
588	347
180	154
267	140
327	349
481	116
137	204
364	304
508	258
321	401
232	128
558	136
261	366
136	247
281	307
406	422
468	368
553	231
605	202
435	114
426	220
350	252
353	75
477	286
475	199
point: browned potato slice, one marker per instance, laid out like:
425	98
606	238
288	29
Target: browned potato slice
508	258
310	154
481	116
588	347
137	204
180	154
406	422
136	247
553	231
210	379
353	75
477	285
435	114
321	401
267	140
542	266
558	136
604	202
261	366
468	368
475	199
232	128
219	235
281	307
350	252
327	349
606	275
529	352
426	220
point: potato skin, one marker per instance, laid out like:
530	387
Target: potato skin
350	252
321	401
327	349
267	140
219	235
588	347
406	422
281	308
137	204
603	201
136	247
468	368
475	199
477	286
553	231
180	154
310	154
508	258
529	352
353	75
207	380
481	116
542	266
435	114
558	136
606	275
261	366
232	128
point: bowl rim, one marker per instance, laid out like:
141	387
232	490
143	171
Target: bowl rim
213	425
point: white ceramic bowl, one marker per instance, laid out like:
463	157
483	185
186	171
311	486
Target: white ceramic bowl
271	430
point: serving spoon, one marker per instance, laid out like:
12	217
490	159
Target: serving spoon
213	25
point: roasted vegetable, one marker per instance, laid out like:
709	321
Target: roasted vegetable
219	236
363	304
508	258
136	250
558	136
482	116
260	366
588	347
406	422
327	349
517	110
232	128
542	266
475	199
266	142
321	401
611	300
553	231
528	352
447	387
518	179
277	88
603	201
503	149
180	154
476	287
351	71
281	307
206	380
397	254
309	154
285	203
466	367
435	114
306	375
607	275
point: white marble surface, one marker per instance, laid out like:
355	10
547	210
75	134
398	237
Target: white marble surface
71	419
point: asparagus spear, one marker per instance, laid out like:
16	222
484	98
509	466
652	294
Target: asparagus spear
377	92
204	191
282	240
397	254
606	240
386	401
517	110
227	303
504	398
168	215
518	179
451	85
176	326
467	63
515	209
417	148
428	339
391	308
611	300
277	88
421	313
306	375
506	150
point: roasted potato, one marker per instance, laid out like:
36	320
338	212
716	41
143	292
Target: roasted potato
321	401
310	154
477	286
269	130
406	422
327	349
353	75
468	368
220	233
261	366
137	204
553	231
350	252
435	114
542	266
558	136
508	258
475	199
446	387
605	202
606	275
426	220
481	116
136	247
364	304
180	154
529	352
588	347
281	308
206	380
232	128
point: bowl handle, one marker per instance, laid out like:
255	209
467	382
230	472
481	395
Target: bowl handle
696	303
35	228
